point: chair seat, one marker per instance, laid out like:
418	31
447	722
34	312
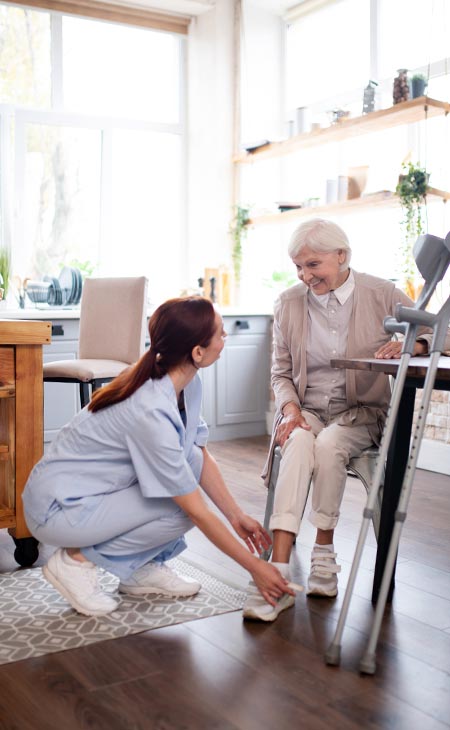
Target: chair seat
84	370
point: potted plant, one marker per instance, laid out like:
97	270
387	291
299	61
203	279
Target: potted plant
281	280
418	85
412	190
5	270
238	231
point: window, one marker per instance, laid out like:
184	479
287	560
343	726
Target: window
93	140
414	33
25	69
137	71
321	61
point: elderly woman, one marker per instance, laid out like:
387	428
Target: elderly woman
325	416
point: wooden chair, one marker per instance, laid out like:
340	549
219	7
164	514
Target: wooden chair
112	334
362	467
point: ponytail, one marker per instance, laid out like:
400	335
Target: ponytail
175	328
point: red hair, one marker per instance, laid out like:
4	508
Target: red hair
175	328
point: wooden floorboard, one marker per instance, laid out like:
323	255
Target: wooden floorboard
222	673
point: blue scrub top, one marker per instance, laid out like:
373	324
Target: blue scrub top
141	441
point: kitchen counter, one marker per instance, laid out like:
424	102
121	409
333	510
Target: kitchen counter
45	313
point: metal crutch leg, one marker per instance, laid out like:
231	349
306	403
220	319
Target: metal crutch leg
368	662
333	653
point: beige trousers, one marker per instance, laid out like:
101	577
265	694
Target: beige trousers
323	454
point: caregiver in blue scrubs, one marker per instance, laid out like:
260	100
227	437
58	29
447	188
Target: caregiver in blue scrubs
123	482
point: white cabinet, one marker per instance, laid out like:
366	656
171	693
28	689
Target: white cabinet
61	400
236	388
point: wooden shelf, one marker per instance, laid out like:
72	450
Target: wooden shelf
385	198
407	112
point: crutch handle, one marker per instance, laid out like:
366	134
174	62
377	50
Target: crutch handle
414	316
392	325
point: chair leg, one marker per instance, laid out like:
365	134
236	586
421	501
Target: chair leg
273	478
363	467
84	394
270	496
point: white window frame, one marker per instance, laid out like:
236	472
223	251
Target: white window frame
12	162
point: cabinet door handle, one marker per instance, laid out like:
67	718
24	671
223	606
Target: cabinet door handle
242	324
57	330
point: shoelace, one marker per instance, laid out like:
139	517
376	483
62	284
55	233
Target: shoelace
91	577
323	564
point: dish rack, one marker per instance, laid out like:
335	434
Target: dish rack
37	291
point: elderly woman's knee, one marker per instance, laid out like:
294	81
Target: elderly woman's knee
299	436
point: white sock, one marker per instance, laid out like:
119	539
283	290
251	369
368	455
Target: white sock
328	548
283	568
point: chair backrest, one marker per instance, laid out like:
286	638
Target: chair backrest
113	319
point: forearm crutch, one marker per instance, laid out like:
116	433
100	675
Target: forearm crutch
432	255
368	662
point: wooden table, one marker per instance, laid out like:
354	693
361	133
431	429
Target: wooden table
399	447
21	423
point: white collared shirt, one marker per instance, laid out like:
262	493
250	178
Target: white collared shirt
328	323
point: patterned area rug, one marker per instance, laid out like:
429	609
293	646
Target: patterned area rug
36	620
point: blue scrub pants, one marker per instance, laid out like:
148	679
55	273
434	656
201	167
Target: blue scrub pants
123	533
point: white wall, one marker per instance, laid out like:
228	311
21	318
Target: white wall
211	97
210	138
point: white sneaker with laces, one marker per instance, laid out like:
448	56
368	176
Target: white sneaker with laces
258	609
78	583
322	579
159	579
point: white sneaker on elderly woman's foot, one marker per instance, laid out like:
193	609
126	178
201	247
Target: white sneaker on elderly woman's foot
257	608
322	579
78	583
159	579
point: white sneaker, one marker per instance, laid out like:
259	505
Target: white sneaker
258	609
322	579
160	579
78	583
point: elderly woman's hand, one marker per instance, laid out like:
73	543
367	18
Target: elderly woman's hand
292	418
393	349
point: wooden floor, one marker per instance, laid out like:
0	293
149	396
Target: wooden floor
223	673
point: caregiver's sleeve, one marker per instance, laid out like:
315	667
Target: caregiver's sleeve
158	457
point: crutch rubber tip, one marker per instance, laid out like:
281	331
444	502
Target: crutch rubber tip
368	665
333	655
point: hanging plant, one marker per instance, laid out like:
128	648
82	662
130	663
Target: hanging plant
411	189
238	232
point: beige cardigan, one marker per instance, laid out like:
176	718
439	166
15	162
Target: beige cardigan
368	393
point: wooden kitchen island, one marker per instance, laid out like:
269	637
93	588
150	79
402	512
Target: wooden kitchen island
21	423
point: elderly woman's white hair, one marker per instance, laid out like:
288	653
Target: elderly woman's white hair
322	236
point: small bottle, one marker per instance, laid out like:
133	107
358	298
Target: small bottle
212	293
369	97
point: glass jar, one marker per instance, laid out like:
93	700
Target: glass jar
400	90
